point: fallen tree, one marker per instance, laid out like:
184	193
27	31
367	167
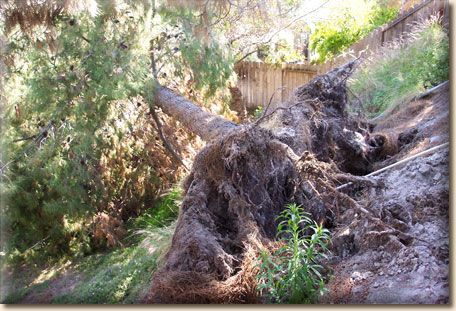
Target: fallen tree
243	178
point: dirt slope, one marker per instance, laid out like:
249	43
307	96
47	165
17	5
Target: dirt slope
404	258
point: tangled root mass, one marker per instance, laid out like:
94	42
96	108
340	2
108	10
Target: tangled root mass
241	181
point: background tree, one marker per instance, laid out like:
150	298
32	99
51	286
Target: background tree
84	147
266	30
348	22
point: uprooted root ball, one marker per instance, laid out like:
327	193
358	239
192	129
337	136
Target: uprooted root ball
244	178
238	186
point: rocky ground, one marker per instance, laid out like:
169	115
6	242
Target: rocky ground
401	255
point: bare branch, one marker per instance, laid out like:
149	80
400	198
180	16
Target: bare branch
272	96
165	62
296	19
243	8
163	138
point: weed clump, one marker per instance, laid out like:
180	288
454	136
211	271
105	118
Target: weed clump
292	274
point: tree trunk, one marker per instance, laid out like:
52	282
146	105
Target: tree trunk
245	176
205	125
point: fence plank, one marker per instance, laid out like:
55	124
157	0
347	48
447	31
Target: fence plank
258	81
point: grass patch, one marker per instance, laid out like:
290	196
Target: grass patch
121	276
117	276
124	275
403	69
18	296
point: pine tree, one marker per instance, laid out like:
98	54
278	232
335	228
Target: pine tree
80	115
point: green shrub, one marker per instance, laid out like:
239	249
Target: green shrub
348	23
292	274
404	69
80	153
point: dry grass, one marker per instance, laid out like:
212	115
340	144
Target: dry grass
196	287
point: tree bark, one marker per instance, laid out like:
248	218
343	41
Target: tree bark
205	125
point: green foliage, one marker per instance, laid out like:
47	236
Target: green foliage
258	113
404	70
283	51
196	56
164	212
208	64
77	86
347	25
292	274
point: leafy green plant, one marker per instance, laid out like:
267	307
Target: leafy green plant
258	113
292	274
348	23
404	69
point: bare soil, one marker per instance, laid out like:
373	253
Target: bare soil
405	257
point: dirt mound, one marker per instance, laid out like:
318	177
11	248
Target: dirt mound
403	257
418	125
402	254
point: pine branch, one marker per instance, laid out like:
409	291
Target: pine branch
25	138
36	138
163	138
157	120
85	39
38	243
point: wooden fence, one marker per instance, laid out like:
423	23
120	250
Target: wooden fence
258	81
